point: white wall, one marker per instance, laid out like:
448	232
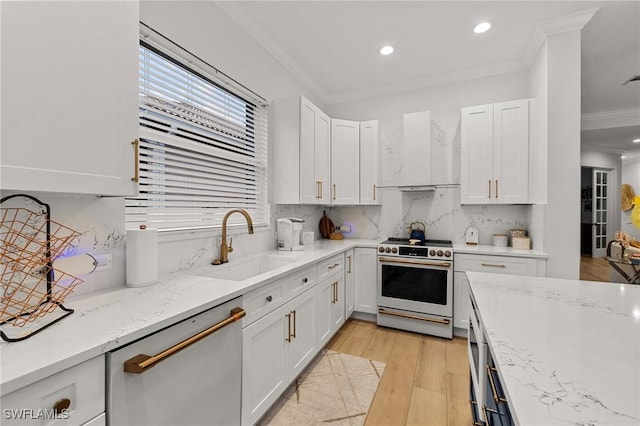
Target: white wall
203	28
562	213
630	176
440	210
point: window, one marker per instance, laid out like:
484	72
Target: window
203	147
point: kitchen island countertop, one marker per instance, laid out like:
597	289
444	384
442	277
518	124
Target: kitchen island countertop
566	351
106	320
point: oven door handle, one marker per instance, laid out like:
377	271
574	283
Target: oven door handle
413	262
415	317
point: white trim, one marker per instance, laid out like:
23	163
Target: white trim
610	119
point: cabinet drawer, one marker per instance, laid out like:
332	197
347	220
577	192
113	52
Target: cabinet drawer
301	281
330	266
496	264
263	300
83	385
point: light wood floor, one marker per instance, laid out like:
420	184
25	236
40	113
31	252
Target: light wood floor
594	269
425	381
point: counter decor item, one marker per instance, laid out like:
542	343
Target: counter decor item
141	256
626	197
471	236
500	240
30	288
521	243
415	233
326	225
635	214
307	238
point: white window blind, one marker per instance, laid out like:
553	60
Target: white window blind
203	149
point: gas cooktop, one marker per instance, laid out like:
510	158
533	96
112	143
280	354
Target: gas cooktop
428	249
406	242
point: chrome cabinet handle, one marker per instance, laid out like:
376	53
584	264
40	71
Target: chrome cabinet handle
141	362
395	314
136	158
493	265
288	338
294	324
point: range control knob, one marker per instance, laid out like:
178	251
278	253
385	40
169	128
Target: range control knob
394	250
387	250
381	249
440	253
432	252
447	253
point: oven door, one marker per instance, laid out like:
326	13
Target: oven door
418	285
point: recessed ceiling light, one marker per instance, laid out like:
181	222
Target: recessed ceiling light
636	141
386	50
623	156
482	27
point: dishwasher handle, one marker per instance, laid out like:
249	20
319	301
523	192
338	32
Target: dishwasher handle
141	363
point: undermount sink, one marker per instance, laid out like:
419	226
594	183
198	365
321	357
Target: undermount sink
245	268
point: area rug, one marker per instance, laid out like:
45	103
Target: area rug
335	389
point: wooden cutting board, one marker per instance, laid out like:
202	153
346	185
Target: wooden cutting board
326	226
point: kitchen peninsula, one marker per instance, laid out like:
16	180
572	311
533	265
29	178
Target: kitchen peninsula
565	351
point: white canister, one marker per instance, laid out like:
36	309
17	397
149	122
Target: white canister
500	240
307	238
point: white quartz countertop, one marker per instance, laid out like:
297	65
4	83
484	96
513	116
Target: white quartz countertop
567	351
497	251
107	320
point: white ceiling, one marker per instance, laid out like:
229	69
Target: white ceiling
332	46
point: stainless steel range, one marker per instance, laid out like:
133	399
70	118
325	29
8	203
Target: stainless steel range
415	286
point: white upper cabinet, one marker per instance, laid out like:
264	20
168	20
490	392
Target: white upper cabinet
369	162
319	160
69	96
345	162
495	153
301	148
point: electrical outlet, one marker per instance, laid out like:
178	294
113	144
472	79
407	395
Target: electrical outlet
104	261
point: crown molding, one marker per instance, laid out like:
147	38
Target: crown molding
571	22
430	81
610	119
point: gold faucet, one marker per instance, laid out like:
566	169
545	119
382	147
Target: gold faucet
224	249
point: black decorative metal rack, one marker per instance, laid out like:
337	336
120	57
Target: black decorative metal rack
30	287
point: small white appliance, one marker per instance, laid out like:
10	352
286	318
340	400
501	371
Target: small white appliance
289	231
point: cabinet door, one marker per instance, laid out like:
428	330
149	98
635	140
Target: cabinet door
337	304
345	162
302	345
476	186
349	283
511	152
264	375
365	277
460	300
315	139
69	96
324	302
369	162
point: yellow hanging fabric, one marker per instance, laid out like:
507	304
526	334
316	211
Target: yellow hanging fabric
635	214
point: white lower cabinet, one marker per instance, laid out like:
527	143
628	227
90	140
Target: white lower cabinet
276	348
464	262
100	420
330	307
366	279
349	283
78	394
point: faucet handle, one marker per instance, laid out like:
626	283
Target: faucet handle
230	248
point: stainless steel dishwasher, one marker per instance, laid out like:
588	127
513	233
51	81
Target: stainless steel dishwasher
186	374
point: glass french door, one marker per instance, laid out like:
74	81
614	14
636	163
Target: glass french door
600	213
